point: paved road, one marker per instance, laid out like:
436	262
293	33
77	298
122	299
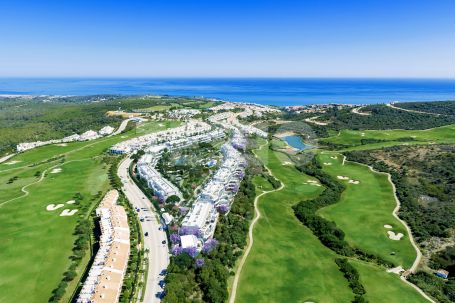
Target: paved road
121	127
158	253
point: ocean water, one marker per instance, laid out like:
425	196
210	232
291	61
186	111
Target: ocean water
264	91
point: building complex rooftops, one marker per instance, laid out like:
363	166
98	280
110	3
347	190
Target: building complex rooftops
105	279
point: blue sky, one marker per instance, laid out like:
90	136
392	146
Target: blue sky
201	38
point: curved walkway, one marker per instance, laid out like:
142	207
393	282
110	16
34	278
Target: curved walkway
250	233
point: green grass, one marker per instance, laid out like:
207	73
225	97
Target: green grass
384	287
157	108
364	209
287	263
262	184
35	244
352	138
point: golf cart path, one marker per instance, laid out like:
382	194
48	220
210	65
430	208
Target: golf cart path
250	232
43	174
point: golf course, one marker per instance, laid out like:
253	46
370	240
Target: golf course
43	193
287	263
291	265
370	201
372	139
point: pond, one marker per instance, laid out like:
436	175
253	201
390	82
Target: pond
296	142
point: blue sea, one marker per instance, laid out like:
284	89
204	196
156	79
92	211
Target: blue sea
264	91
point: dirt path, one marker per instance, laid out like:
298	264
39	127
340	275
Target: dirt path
411	110
250	233
356	110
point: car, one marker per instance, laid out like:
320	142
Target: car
163	242
141	219
162	283
163	272
146	234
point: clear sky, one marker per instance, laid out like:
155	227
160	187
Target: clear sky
230	38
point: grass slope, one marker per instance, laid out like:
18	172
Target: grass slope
384	287
287	263
35	244
364	209
353	138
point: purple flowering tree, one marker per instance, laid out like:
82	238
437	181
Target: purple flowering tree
176	250
200	262
192	251
209	246
223	209
175	238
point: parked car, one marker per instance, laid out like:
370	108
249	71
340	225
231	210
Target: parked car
163	272
146	234
163	242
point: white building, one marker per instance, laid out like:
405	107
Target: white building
107	130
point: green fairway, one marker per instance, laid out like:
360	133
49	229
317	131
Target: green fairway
364	209
287	263
353	138
384	287
157	108
35	243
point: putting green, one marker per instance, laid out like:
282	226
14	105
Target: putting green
287	263
364	209
35	244
353	138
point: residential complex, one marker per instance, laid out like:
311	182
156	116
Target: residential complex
105	279
189	129
87	136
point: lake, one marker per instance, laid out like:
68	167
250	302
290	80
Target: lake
296	142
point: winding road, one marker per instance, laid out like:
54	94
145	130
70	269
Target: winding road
158	256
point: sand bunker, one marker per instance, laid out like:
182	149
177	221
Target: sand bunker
354	181
70	202
161	125
362	134
68	212
312	182
56	170
396	270
52	207
287	163
334	157
12	162
343	177
387	226
62	144
327	163
394	236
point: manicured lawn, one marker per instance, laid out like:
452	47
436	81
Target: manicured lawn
287	263
384	287
35	244
364	209
262	184
353	138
